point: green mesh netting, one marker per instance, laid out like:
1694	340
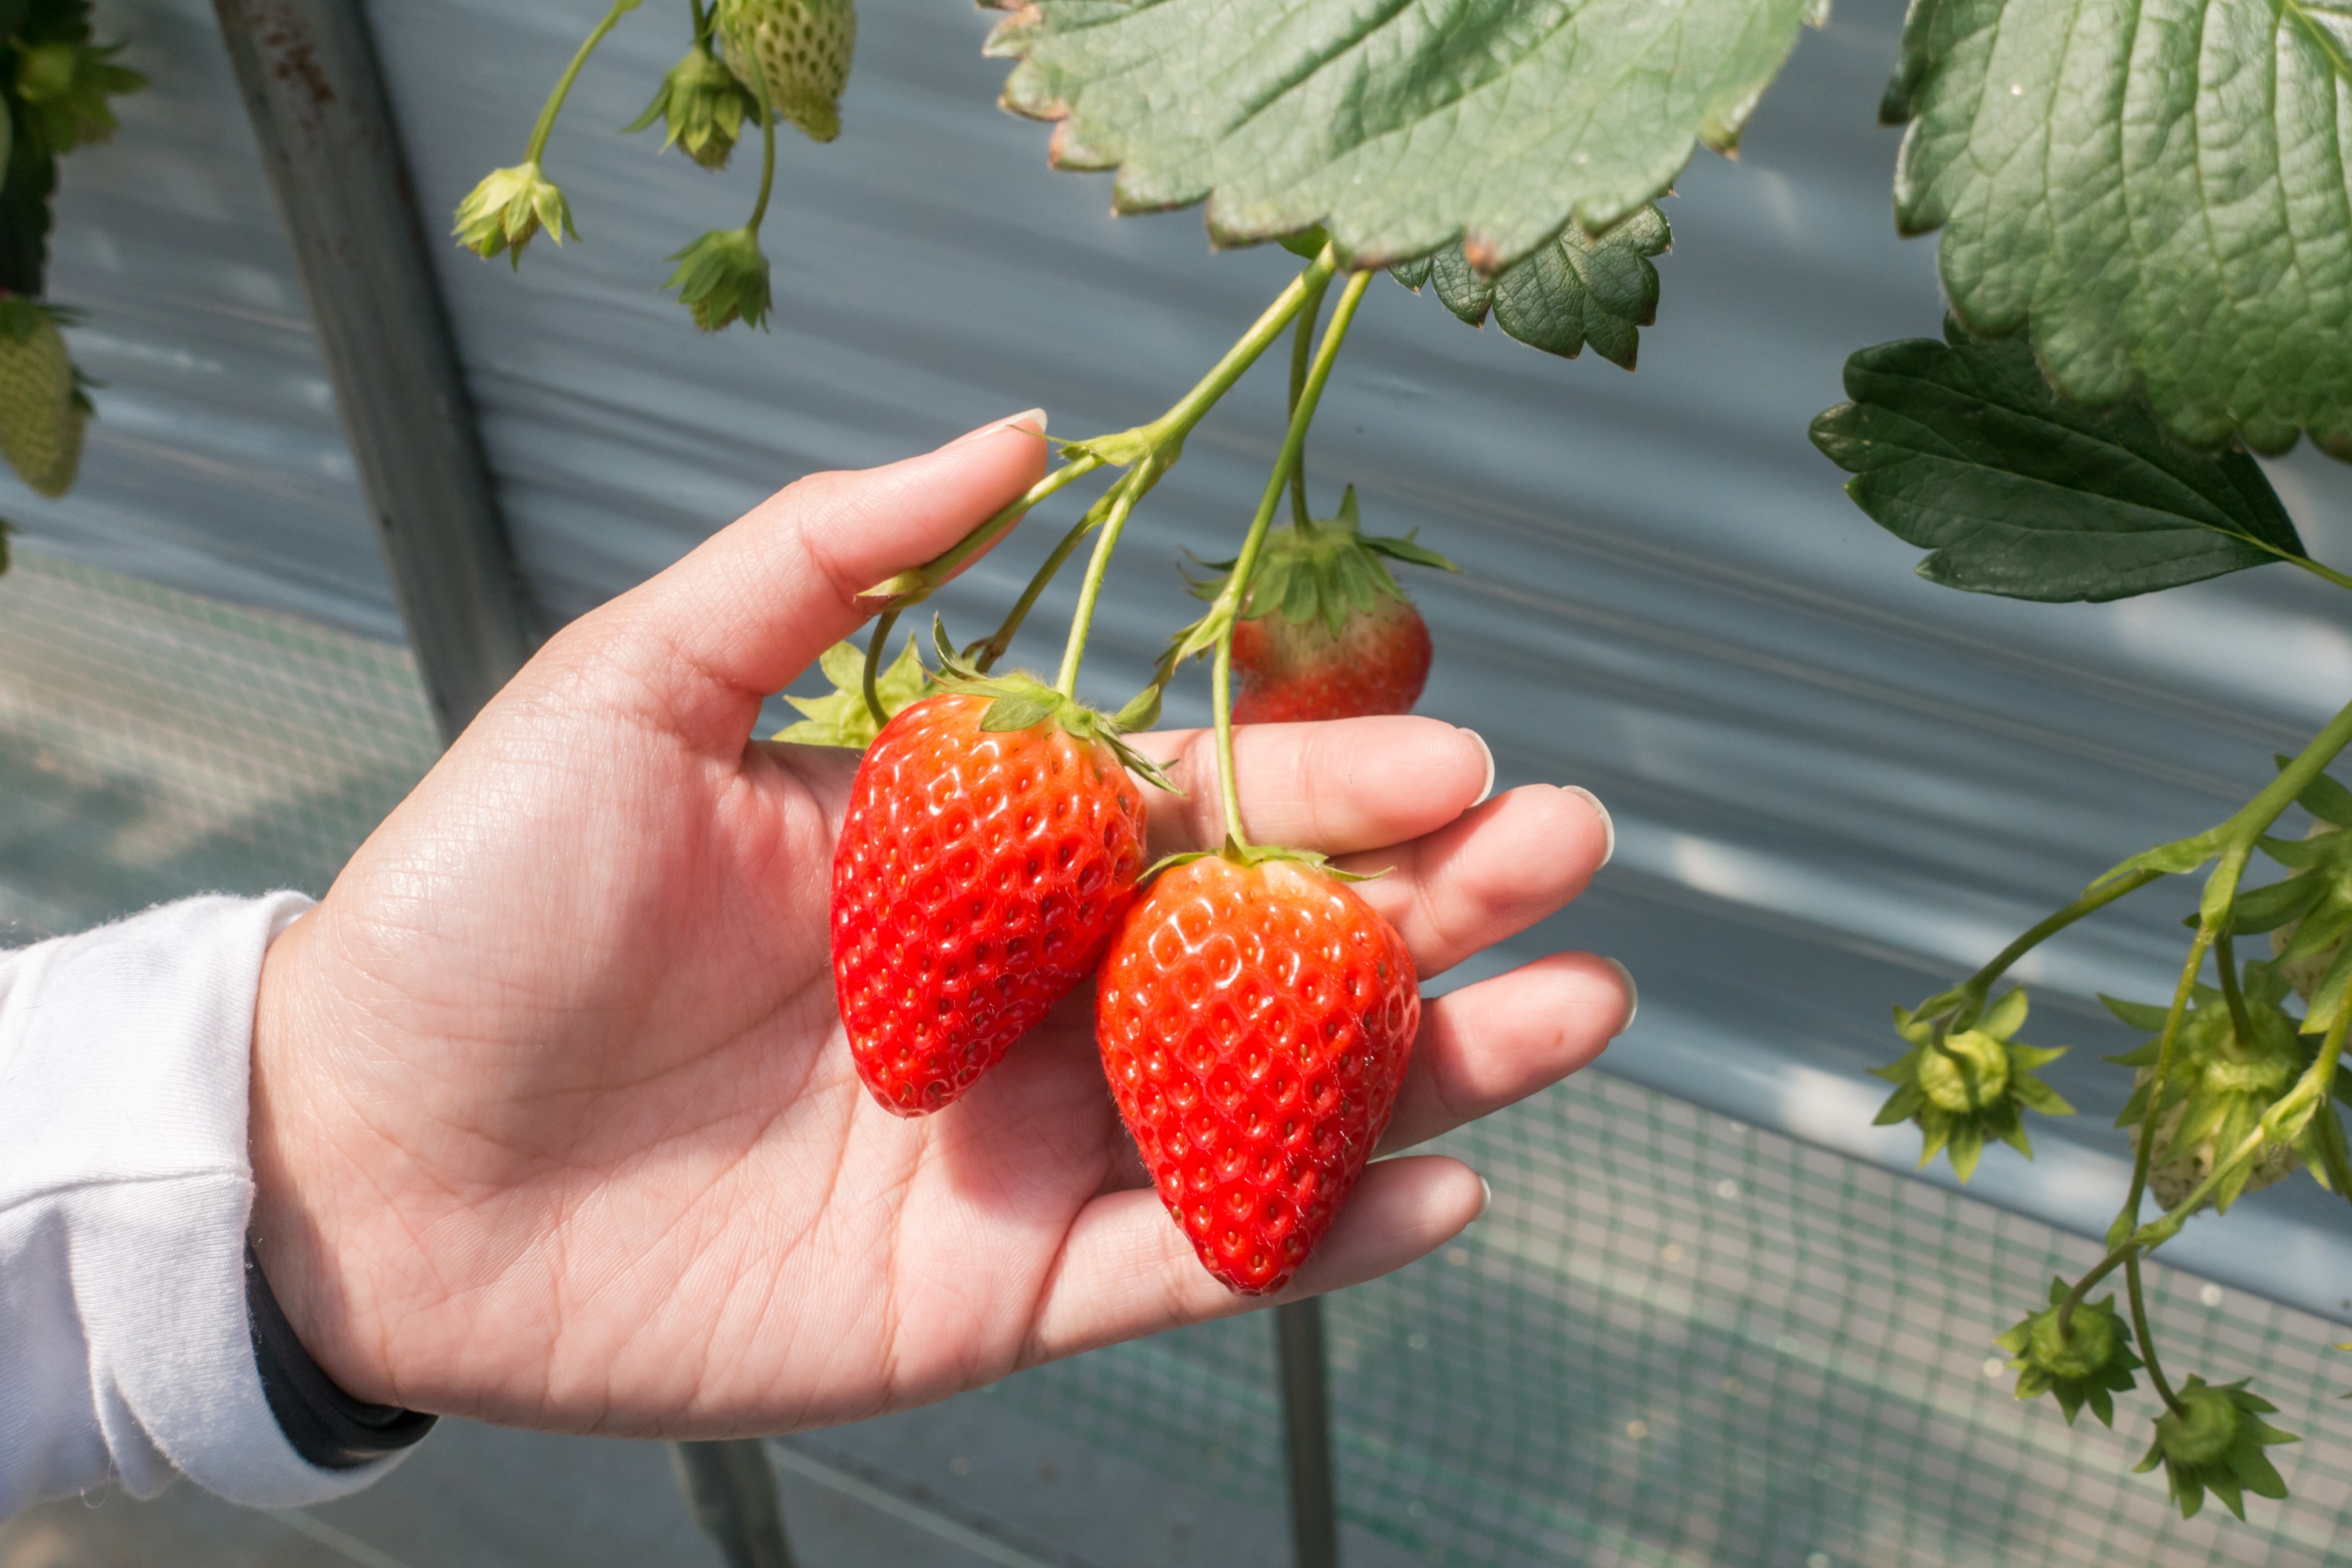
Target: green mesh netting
154	745
1676	1339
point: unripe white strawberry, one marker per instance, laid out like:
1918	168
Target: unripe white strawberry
42	415
801	48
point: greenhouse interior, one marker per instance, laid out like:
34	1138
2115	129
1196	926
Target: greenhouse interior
343	476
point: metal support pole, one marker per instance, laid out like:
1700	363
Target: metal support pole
733	1488
315	95
1306	1425
307	70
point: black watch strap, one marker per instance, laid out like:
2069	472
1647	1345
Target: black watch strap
325	1426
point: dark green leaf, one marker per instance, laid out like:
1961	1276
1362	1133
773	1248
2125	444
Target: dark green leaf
2159	194
1574	291
1962	448
1409	551
2269	908
1399	128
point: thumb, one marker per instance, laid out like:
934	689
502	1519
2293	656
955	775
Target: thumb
752	606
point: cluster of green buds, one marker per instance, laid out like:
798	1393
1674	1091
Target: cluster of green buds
1967	1082
763	60
2230	1093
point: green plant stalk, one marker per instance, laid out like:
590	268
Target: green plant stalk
1159	438
913	586
1302	345
1228	603
701	23
544	126
1966	1000
767	156
2325	573
985	654
1131	490
2137	1294
2225	958
871	682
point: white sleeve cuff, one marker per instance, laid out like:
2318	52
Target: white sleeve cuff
125	1189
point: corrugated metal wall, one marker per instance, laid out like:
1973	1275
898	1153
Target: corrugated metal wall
1836	786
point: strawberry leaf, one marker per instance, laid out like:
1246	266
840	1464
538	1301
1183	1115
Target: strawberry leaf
2161	201
1400	128
1578	290
841	717
1961	447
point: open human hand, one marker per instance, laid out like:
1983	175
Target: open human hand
555	1123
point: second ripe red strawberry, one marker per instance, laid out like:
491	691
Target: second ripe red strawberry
982	866
1256	1017
1325	633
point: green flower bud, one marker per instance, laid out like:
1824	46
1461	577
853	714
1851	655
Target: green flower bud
721	277
2087	1363
2214	1443
703	105
1965	1087
508	208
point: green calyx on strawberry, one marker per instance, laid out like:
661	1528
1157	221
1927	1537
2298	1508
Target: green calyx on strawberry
1325	632
843	717
1250	854
1965	1087
796	51
2088	1362
44	410
2218	1087
508	208
1019	701
722	277
703	105
2214	1443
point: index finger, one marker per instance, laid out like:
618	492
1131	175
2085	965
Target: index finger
1338	786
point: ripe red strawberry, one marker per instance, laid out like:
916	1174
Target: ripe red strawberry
1255	1018
1325	632
992	845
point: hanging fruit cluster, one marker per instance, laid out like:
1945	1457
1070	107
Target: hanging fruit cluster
56	80
761	60
1253	1014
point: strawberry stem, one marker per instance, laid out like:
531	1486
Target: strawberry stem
984	654
545	125
1227	608
1302	346
766	152
2146	1336
1129	489
1164	439
870	682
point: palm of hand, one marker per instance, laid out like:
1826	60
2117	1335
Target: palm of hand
554	1122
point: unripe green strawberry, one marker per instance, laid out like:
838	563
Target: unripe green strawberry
1254	1018
42	413
1325	633
2218	1087
801	48
991	846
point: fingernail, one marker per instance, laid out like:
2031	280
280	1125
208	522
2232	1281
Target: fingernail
1034	418
1485	1194
1608	822
1632	995
1487	789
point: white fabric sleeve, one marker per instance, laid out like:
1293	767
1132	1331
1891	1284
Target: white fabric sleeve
125	1186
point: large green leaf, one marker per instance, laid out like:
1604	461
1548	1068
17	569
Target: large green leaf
1400	125
1963	450
1574	291
2158	189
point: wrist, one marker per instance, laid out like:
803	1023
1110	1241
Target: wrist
291	1235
